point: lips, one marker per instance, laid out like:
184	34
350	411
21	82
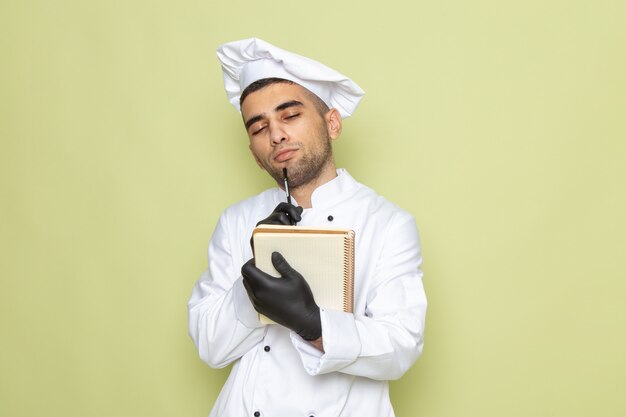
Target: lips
284	155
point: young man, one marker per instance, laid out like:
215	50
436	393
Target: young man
316	362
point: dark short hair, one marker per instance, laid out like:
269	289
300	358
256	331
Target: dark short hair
321	107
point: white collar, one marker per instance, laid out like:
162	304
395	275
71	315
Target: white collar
340	188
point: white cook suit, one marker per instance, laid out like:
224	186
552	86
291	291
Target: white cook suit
276	373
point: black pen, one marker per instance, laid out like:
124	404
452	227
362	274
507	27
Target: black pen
286	182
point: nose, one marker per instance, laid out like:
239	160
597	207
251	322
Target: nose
277	134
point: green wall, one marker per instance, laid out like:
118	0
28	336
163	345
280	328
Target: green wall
500	125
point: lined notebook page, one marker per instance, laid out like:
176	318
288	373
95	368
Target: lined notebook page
319	258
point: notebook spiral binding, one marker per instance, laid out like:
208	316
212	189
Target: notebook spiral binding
348	284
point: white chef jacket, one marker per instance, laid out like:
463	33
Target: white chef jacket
276	373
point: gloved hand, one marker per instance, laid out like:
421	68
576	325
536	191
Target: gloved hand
285	214
287	300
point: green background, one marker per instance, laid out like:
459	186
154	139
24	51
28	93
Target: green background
500	125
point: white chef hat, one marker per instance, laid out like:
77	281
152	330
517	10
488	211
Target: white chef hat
248	60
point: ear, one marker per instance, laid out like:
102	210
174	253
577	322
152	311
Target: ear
258	162
333	123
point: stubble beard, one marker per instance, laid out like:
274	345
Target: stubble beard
309	168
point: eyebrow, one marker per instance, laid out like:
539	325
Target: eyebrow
280	107
288	104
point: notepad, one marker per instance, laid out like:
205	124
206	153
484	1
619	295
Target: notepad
324	257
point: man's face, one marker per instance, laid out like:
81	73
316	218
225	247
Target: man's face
287	131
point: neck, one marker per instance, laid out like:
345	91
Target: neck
303	193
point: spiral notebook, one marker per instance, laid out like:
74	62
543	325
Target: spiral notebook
324	257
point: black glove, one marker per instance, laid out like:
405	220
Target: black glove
287	300
285	214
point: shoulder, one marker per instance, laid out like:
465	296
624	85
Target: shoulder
247	211
379	206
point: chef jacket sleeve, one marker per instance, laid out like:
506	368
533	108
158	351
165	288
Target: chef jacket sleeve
222	321
383	341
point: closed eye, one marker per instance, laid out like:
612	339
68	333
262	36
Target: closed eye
259	130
